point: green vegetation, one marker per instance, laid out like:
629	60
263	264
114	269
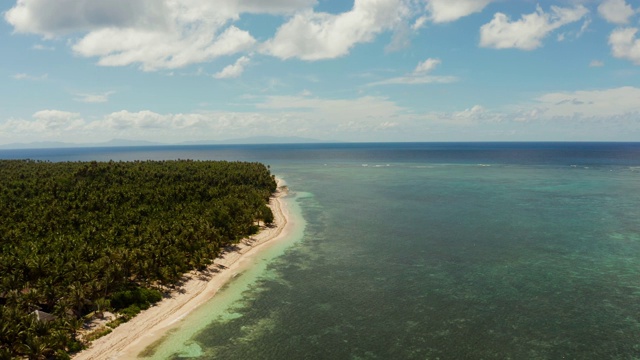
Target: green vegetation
77	238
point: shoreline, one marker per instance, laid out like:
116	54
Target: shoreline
129	339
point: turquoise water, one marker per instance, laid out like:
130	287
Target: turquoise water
450	261
468	251
180	340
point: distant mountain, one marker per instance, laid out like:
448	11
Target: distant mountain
59	144
35	145
125	142
258	140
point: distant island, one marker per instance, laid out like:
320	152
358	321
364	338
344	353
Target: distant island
83	238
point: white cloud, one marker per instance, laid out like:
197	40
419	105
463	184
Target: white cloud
57	118
314	36
363	118
419	76
60	17
387	125
596	63
151	125
605	107
24	76
42	47
528	32
53	18
416	80
156	34
583	28
273	6
442	11
427	65
157	50
234	70
625	45
475	115
148	120
277	116
471	112
572	115
94	98
286	117
45	122
616	11
591	103
591	115
367	106
419	23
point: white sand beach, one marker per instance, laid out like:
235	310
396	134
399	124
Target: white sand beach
130	338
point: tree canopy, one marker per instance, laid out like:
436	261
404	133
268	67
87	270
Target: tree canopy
79	237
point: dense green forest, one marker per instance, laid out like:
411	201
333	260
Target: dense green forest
77	238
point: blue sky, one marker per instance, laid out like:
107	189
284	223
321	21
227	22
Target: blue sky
370	70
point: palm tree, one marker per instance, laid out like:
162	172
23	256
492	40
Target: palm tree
102	305
35	348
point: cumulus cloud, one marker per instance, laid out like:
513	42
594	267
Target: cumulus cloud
416	80
144	125
625	45
608	114
170	127
169	34
234	70
125	120
367	106
468	116
475	115
471	112
60	17
361	118
605	106
155	34
596	63
167	127
53	18
442	11
94	98
420	75
591	103
24	76
314	36
301	115
387	125
56	119
419	23
274	6
157	50
616	11
45	122
426	66
528	32
583	28
43	48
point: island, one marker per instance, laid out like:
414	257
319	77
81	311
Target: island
86	243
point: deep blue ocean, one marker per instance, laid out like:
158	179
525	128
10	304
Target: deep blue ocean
431	251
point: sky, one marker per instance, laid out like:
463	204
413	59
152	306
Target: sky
174	71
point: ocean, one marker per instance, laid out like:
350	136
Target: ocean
428	251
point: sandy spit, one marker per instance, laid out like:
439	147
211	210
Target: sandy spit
132	337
